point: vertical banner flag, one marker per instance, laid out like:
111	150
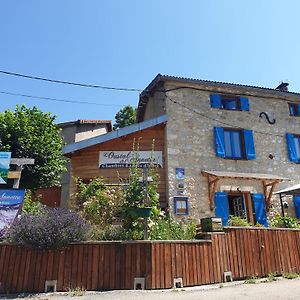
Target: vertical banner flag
4	166
11	202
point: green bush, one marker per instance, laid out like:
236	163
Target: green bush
284	222
168	229
108	233
97	203
237	221
30	206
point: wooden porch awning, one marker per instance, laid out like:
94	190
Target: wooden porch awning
269	182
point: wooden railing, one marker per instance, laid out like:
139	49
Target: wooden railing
114	265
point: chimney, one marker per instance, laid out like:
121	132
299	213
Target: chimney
283	87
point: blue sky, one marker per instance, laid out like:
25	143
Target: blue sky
126	43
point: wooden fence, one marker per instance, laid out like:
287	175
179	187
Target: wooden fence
114	265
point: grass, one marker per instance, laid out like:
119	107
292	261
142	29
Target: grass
77	291
290	275
251	280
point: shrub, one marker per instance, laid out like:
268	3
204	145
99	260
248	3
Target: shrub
97	203
169	229
237	221
284	222
30	206
108	233
52	229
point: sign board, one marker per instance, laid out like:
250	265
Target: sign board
11	202
4	166
125	159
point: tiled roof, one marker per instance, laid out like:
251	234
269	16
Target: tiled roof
209	85
160	77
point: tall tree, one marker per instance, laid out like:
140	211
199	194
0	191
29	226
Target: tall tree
31	133
125	116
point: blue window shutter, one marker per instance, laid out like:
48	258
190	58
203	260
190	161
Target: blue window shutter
221	207
215	100
297	205
259	209
219	141
244	103
298	112
291	147
249	144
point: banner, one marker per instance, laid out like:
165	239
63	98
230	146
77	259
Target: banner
11	202
4	166
124	159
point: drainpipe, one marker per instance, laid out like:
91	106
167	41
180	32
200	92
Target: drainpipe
281	204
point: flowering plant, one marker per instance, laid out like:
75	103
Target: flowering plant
53	228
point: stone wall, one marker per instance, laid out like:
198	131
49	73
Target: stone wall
190	144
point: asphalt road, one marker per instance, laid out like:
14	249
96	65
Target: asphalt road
282	289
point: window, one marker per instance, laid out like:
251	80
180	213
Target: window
234	143
244	205
229	102
293	145
294	109
181	205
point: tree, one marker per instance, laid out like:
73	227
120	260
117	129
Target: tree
125	116
30	133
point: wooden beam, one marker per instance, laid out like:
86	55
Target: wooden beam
14	174
268	188
22	161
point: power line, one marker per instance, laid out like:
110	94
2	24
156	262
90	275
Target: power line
58	100
216	120
71	83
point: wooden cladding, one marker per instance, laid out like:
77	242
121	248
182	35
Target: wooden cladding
114	265
85	163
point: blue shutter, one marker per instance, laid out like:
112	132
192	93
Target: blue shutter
298	113
291	147
244	103
219	141
221	207
215	101
259	209
297	205
249	144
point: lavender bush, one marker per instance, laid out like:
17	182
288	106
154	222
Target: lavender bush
52	229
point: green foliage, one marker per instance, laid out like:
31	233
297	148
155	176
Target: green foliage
237	221
251	280
30	206
98	203
271	277
107	233
168	229
290	275
126	116
30	133
134	197
284	222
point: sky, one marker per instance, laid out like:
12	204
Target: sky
126	43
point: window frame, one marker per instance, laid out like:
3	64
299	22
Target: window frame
176	209
227	98
242	143
295	108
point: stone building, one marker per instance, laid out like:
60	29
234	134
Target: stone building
227	147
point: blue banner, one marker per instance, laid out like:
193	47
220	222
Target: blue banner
11	202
